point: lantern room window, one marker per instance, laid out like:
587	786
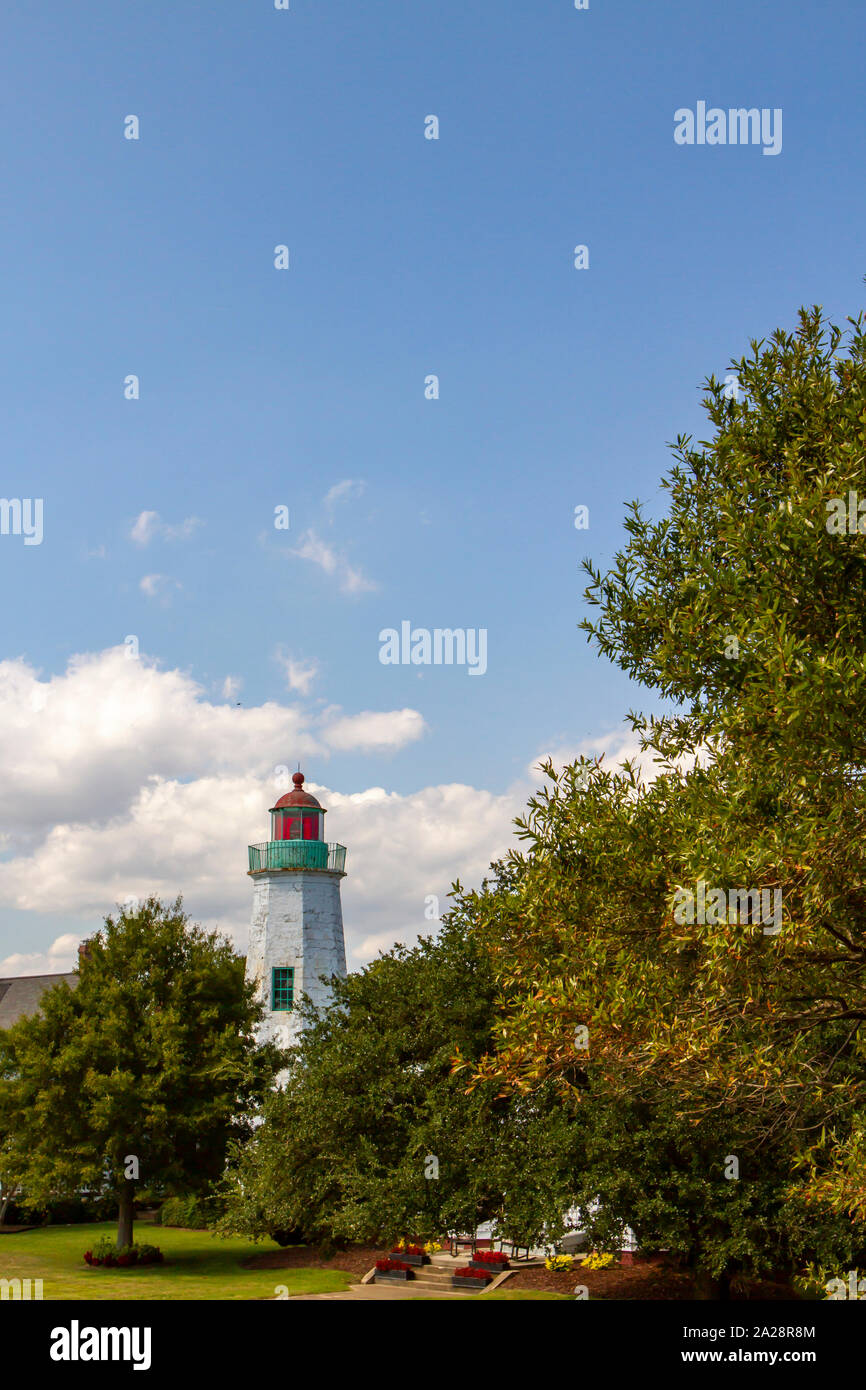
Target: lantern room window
296	824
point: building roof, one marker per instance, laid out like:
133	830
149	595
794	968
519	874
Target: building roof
297	797
20	995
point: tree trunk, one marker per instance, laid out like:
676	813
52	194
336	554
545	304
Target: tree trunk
706	1287
125	1215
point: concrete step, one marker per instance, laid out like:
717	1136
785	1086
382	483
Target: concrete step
429	1280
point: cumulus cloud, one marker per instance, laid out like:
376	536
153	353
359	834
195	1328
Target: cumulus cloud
333	563
615	749
192	838
122	779
371	731
80	746
60	957
149	525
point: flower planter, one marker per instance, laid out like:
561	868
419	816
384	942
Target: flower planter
401	1274
493	1267
460	1282
415	1260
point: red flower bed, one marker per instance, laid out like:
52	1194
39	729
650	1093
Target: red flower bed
491	1257
468	1273
384	1266
409	1250
111	1258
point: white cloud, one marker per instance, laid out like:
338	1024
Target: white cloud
351	580
343	491
615	749
300	674
192	838
80	746
158	586
122	779
59	959
232	686
149	525
144	527
372	731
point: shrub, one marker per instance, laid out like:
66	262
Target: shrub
195	1213
597	1260
60	1211
559	1262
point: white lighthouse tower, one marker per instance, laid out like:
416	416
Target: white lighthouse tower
296	934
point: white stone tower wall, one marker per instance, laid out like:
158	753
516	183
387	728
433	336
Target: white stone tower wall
297	921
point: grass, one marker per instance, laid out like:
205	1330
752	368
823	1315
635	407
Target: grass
198	1266
503	1296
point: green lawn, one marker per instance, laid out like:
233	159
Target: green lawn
503	1296
198	1266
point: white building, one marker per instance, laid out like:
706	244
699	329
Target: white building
296	935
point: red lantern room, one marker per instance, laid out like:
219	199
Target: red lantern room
297	815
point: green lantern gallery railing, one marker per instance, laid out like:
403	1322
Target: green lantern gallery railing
297	854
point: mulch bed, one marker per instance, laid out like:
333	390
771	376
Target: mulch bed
356	1260
651	1277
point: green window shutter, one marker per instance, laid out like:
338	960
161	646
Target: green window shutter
282	988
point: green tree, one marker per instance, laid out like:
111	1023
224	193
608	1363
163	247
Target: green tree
743	609
136	1080
374	1137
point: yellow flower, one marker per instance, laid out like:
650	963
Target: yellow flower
557	1262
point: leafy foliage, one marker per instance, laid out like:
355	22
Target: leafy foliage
373	1136
151	1056
691	1043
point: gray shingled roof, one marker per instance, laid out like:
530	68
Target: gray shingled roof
20	995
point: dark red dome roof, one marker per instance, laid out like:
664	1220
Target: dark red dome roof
297	797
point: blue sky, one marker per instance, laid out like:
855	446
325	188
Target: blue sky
408	257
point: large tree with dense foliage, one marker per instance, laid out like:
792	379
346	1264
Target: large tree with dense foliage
372	1137
151	1058
744	608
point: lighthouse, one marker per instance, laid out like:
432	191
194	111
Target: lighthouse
296	934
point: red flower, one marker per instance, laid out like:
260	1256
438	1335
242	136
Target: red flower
468	1273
